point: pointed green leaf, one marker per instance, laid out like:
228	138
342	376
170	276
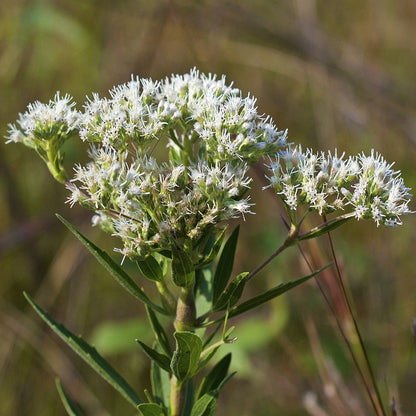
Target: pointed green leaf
90	355
232	294
160	385
213	251
112	267
71	407
206	358
225	265
183	270
159	332
206	405
215	377
189	398
162	360
271	294
324	230
203	289
186	356
151	409
151	269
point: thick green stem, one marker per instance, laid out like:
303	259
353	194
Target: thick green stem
185	321
185	310
177	396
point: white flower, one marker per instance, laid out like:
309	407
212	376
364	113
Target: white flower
365	186
211	132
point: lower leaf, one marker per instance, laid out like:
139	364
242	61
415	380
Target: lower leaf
150	409
90	356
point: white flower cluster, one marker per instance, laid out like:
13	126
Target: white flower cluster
45	128
213	135
45	122
184	109
151	206
365	186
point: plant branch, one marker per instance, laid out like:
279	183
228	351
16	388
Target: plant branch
290	240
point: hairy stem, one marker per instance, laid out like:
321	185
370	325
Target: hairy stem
177	396
185	321
185	310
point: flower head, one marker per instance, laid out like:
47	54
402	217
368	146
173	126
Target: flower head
365	186
45	128
212	133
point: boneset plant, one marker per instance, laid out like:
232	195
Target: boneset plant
170	214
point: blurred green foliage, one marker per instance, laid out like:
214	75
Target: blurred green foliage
335	74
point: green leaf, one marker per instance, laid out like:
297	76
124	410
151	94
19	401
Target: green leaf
71	407
324	230
271	294
225	265
215	377
112	267
183	270
186	356
162	360
90	355
206	405
159	332
206	358
232	294
151	409
189	398
213	251
203	290
151	269
160	384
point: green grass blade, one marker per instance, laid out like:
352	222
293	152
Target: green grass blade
112	267
90	356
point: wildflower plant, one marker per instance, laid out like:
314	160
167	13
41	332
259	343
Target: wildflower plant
169	214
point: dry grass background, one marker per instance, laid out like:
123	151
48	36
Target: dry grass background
336	74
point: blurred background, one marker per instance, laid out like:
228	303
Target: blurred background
336	74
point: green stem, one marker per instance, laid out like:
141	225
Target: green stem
185	310
185	321
290	240
54	165
177	396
